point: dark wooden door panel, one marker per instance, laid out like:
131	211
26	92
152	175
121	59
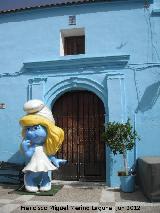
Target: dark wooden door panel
74	45
67	172
81	115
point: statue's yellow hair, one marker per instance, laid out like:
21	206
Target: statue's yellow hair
55	135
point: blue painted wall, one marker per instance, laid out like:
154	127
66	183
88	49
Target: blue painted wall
128	83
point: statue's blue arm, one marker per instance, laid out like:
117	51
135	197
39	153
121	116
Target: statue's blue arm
56	161
27	149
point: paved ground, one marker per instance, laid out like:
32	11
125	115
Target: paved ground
77	198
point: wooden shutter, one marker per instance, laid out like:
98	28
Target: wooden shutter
74	45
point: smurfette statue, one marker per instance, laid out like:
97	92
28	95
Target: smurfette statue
41	140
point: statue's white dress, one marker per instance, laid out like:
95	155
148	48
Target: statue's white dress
39	162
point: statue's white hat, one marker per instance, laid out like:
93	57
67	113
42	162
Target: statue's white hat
37	107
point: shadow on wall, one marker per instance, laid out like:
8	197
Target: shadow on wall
149	97
11	171
16	158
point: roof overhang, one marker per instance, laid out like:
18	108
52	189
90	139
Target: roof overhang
27	5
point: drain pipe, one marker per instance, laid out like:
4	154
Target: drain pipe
135	147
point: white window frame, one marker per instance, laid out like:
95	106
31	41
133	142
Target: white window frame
68	33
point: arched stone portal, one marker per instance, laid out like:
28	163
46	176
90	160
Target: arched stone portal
81	114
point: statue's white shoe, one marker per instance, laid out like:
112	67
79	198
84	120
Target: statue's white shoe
45	188
31	188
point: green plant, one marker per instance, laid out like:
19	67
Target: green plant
120	137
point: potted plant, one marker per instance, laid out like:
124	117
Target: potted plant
121	137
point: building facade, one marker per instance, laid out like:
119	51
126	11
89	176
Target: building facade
91	63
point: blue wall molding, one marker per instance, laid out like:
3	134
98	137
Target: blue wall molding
156	12
15	74
37	80
36	86
70	64
137	67
112	75
116	94
75	83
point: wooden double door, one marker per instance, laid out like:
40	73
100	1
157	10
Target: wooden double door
81	115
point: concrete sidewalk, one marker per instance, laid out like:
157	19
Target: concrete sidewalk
77	197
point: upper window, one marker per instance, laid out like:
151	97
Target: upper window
72	42
74	45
